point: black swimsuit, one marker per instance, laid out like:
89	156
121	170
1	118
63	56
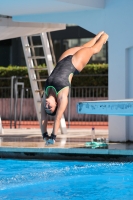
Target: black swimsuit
59	78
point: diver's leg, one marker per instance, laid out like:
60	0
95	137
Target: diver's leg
73	50
82	57
93	40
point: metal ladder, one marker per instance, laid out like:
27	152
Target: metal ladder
33	70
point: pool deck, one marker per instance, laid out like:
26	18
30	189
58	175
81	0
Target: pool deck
28	144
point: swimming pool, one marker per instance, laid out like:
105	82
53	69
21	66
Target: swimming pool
63	180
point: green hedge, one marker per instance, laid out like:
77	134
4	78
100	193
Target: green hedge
91	75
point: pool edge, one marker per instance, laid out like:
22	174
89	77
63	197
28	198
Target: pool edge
66	153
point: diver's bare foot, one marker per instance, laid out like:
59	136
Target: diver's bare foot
99	35
105	37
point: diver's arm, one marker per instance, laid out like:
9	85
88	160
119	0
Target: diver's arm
62	104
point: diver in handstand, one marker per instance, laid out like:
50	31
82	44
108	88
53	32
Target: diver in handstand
55	98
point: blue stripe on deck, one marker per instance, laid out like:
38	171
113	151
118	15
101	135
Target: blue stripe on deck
121	108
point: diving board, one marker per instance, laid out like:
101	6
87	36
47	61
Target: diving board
107	107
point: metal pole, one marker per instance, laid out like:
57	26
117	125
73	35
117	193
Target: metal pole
21	102
16	99
0	126
51	47
11	102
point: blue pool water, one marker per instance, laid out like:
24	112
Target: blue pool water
65	180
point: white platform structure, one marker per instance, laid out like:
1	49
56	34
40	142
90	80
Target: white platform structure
10	29
112	16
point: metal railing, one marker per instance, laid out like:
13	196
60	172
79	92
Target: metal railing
28	113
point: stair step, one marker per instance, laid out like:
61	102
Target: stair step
38	68
39	101
37	57
39	90
36	46
36	35
39	80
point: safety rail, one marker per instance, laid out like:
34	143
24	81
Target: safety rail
28	113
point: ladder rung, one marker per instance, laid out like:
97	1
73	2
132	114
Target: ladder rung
36	35
39	80
38	68
39	90
39	101
37	57
36	46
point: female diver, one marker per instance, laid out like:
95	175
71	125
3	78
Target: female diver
55	98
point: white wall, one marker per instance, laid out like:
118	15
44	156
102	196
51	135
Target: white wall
116	20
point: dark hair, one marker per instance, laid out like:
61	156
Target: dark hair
52	114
